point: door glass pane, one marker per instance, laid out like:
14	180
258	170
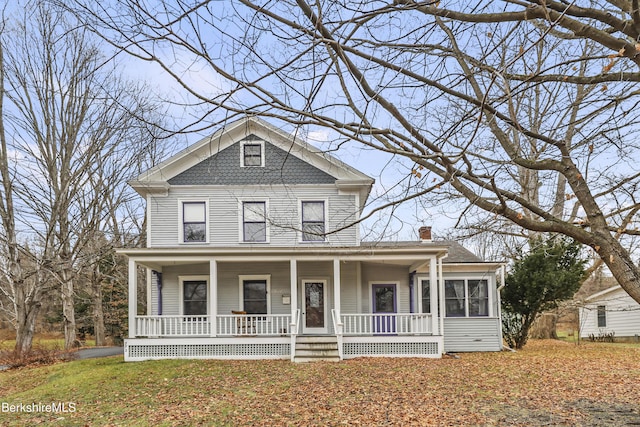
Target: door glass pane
384	298
314	304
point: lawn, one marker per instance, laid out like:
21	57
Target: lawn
550	382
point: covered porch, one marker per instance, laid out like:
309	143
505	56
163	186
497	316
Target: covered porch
256	305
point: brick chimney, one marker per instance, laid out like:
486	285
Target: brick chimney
425	234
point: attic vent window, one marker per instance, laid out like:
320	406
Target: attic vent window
252	154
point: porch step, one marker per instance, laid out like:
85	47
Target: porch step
316	348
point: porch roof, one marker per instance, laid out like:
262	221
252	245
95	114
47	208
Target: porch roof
415	255
416	250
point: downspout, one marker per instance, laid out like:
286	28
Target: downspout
441	293
159	285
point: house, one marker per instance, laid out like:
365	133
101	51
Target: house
254	251
611	312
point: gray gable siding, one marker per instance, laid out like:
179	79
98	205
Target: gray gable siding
223	168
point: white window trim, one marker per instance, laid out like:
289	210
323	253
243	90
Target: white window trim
181	223
242	278
254	142
326	222
181	280
241	221
490	299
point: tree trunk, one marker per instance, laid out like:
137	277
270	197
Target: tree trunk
544	327
27	310
68	309
98	313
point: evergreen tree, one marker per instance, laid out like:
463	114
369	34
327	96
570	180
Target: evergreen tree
550	273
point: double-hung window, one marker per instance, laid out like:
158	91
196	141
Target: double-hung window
466	298
194	222
252	154
478	298
602	316
194	297
313	221
254	221
254	294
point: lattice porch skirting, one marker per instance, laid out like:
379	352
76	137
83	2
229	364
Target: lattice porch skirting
392	346
207	348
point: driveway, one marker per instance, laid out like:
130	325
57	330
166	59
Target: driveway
92	353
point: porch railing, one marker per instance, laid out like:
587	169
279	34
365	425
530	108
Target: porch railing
386	324
227	325
252	325
173	326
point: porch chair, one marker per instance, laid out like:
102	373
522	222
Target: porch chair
244	324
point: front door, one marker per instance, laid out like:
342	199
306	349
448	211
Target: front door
315	306
384	304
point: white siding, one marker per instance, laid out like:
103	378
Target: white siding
463	334
224	216
622	316
229	287
383	274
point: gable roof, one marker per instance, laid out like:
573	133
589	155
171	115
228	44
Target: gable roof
223	168
603	293
160	177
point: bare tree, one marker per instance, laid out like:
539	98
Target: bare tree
76	130
516	107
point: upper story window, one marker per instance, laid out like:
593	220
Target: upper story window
466	298
313	221
252	154
194	221
254	221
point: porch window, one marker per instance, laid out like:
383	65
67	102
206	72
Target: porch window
313	221
194	222
466	298
478	298
454	294
254	223
252	154
426	296
254	294
195	298
602	316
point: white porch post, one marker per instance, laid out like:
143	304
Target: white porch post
433	293
294	327
336	286
293	272
133	297
213	300
443	312
336	306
